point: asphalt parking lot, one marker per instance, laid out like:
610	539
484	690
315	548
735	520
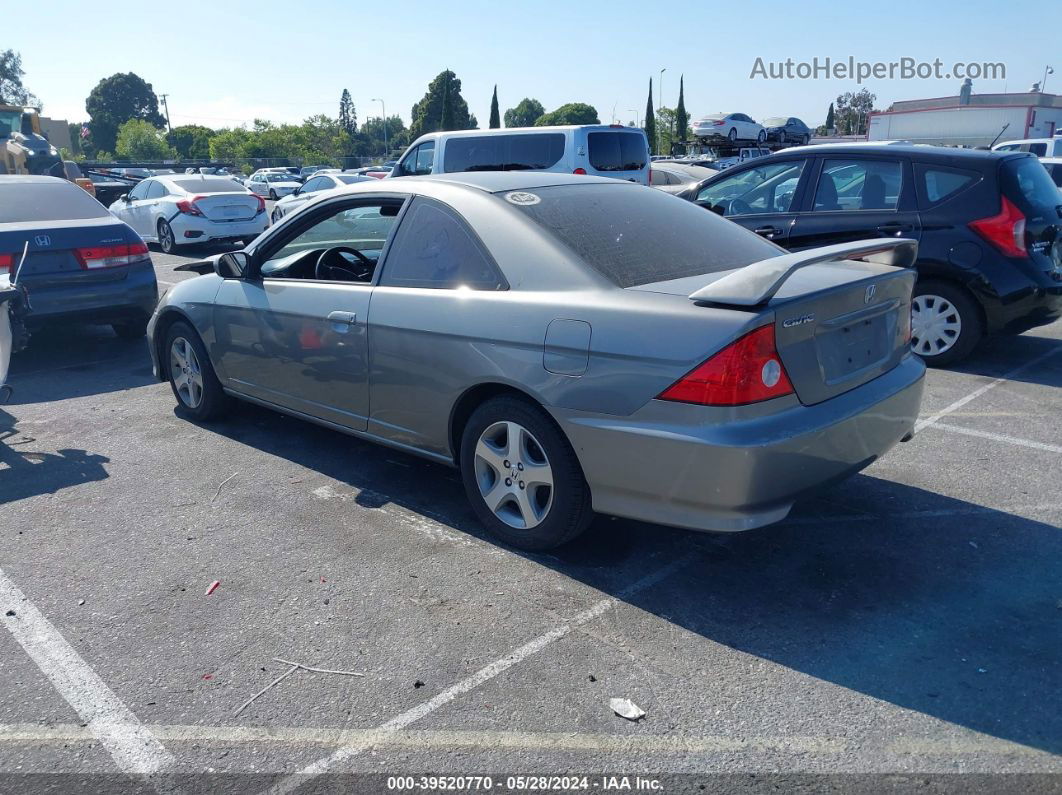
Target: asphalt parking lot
906	621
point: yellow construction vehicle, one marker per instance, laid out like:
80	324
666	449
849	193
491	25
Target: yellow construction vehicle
23	148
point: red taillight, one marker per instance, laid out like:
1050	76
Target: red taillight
261	204
747	370
110	256
1005	231
6	263
188	206
579	171
719	123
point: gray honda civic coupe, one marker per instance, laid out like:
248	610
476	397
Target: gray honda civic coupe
571	344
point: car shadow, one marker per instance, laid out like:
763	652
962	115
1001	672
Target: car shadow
1003	353
27	473
931	603
75	361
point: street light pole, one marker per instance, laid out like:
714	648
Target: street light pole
1048	70
660	107
383	110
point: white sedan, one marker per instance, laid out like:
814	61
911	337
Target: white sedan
191	208
733	127
273	184
314	186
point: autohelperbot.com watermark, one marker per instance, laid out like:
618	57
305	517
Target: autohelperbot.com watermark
849	68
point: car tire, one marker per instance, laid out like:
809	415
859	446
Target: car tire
167	241
762	137
530	515
272	195
191	375
131	329
946	323
732	135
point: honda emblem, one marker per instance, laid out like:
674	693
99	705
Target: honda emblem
42	240
868	296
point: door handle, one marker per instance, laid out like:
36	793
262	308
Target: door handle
343	318
767	231
894	228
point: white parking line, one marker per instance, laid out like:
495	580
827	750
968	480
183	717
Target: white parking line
999	437
135	750
958	404
485	674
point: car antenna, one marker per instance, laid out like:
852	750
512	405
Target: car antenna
18	270
1005	126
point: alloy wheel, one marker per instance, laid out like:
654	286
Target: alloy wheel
935	325
166	241
186	372
514	475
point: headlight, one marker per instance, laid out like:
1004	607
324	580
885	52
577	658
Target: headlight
52	150
29	152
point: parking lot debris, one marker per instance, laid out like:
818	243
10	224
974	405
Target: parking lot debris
221	485
293	667
418	684
213	587
626	708
593	678
9	613
80	602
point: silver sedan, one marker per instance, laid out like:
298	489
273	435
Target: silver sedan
572	344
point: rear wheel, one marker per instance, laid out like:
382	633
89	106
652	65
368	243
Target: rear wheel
167	242
191	375
522	477
761	137
272	194
732	135
946	324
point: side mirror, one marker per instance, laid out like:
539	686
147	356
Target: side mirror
232	265
296	192
125	197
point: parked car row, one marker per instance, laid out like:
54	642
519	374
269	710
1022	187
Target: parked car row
734	127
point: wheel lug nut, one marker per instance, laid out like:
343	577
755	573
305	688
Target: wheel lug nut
520	467
506	464
521	484
508	481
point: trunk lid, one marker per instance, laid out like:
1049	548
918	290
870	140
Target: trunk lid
51	260
227	206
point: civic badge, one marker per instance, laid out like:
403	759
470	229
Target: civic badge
868	296
42	240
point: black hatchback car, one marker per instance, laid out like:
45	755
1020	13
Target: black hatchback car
988	226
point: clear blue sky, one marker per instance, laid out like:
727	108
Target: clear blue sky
224	63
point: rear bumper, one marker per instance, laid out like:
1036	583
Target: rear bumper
201	230
1038	305
661	465
133	297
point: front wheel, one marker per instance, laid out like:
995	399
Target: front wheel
762	137
167	242
522	477
732	135
272	195
191	375
946	324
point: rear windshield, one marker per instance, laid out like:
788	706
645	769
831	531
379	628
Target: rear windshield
617	151
350	179
633	235
209	185
1026	183
22	202
526	152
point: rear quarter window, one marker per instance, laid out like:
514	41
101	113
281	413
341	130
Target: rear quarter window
524	152
50	201
938	183
617	151
632	235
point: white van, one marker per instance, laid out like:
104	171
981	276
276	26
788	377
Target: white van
1041	147
603	150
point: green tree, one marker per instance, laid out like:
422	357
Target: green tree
525	114
74	130
117	99
447	122
12	92
829	118
572	113
682	118
650	120
370	139
191	141
348	116
854	109
141	140
230	145
666	124
495	116
427	115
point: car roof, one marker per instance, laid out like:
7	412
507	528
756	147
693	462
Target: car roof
921	150
31	179
503	181
524	130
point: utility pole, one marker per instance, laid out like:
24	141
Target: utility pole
166	105
383	110
660	107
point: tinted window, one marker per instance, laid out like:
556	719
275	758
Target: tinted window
22	202
617	151
1055	170
350	179
139	190
1040	150
209	185
1026	183
435	249
504	152
938	183
769	188
315	184
635	236
854	184
156	190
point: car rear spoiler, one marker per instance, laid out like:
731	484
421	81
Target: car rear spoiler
757	283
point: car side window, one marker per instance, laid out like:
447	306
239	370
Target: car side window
856	184
768	188
425	157
139	191
156	191
937	183
434	248
1038	149
314	184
